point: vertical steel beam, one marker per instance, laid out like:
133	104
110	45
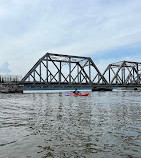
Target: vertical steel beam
40	71
123	74
80	77
115	76
50	77
34	76
78	74
47	69
109	74
69	70
134	74
60	72
138	74
89	72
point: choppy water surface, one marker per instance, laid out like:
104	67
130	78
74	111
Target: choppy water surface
104	124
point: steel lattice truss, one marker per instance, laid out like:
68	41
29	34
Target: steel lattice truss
124	72
64	69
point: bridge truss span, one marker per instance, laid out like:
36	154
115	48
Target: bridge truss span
64	69
123	73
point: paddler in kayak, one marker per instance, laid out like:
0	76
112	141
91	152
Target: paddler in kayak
76	92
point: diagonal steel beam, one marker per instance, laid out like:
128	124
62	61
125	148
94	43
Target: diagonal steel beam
119	78
103	78
82	69
130	74
52	76
57	68
33	77
33	68
117	72
39	76
72	70
95	77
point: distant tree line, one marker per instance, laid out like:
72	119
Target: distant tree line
1	80
9	78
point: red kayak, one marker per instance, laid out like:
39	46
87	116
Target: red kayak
77	95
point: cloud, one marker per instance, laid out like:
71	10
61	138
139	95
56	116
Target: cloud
28	30
4	68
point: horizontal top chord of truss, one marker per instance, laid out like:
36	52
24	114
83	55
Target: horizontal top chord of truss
58	68
128	63
123	72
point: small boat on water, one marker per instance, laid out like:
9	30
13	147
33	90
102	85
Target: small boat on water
77	95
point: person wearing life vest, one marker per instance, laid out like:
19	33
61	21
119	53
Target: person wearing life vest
76	92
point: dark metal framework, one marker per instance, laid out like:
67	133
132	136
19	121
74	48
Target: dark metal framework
124	73
64	69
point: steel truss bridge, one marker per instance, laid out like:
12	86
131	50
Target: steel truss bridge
56	71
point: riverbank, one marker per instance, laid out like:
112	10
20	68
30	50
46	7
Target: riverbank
10	88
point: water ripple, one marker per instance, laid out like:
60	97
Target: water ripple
104	124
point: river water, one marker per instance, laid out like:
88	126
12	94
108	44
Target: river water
102	125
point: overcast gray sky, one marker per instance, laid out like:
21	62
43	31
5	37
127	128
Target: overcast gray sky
106	30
